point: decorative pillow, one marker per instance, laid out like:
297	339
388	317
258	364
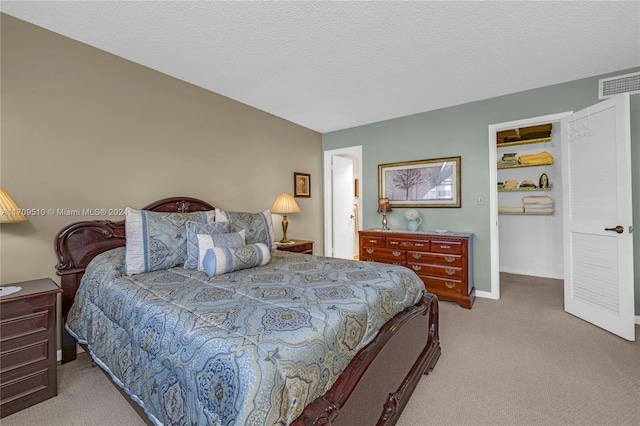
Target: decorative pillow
195	228
157	240
222	260
259	226
206	242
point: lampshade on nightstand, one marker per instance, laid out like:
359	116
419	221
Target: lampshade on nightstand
9	211
284	205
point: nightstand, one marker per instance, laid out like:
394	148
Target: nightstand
28	365
298	246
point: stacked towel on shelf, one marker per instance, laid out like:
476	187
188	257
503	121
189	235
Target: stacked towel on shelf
508	210
538	204
539	159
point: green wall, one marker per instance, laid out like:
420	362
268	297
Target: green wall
463	130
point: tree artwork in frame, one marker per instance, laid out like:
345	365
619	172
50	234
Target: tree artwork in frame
421	183
301	184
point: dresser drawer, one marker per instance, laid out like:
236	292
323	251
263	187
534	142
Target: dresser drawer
437	271
24	325
442	285
407	244
368	241
388	261
384	253
435	259
24	354
452	247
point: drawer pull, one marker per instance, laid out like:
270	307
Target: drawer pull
370	250
450	271
445	246
373	241
449	258
419	245
450	285
396	263
394	243
416	255
397	253
416	267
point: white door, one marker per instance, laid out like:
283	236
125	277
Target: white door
344	230
598	246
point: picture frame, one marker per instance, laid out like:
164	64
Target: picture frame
422	183
302	185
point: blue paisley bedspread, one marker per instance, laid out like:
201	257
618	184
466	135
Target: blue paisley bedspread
251	347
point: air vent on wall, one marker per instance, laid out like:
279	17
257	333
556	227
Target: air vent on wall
628	83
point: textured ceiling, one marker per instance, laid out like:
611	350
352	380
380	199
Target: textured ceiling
334	65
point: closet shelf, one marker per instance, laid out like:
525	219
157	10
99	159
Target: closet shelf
525	214
527	142
524	189
517	166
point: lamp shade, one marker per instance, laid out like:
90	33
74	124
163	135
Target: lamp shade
9	211
383	205
285	204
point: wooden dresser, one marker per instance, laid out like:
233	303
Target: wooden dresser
28	367
443	261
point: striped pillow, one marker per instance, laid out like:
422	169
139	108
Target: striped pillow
222	260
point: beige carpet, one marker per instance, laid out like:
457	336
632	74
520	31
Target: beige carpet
520	360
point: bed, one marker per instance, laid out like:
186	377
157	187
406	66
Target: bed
186	347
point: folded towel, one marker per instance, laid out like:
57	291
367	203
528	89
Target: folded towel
537	199
507	136
538	211
536	159
538	206
535	132
505	209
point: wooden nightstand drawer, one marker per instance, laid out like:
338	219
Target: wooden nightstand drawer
297	246
23	355
23	325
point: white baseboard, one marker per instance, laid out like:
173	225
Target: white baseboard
485	295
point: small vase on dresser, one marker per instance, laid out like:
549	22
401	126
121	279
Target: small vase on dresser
413	219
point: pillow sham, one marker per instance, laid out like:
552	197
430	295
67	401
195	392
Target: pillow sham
195	228
222	260
259	226
206	242
157	240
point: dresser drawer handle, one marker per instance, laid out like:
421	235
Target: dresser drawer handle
450	271
397	253
396	263
445	247
395	243
416	255
449	258
373	241
450	285
370	250
419	245
416	267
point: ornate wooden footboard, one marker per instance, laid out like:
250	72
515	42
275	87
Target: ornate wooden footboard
373	389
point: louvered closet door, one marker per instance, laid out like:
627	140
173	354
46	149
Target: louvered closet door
596	175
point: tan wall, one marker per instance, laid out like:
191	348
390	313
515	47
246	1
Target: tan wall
83	129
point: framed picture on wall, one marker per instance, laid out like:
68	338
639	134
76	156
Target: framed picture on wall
301	184
422	183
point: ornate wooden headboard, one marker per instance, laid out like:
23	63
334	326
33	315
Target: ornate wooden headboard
78	243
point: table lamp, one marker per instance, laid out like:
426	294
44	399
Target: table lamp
384	207
284	205
9	211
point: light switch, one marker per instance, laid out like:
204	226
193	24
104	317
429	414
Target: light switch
480	200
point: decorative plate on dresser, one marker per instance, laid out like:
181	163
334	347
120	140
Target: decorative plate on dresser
443	260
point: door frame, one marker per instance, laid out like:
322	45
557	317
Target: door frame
493	193
354	152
